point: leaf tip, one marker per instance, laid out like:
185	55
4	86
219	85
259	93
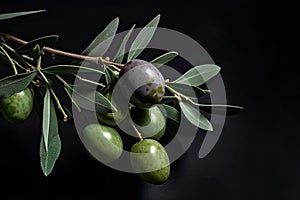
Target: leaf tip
210	128
45	173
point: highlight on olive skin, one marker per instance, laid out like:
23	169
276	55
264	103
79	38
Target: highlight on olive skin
102	142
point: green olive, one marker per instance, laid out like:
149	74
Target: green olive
111	119
18	106
150	161
151	123
103	142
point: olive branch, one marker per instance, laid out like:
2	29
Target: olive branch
26	61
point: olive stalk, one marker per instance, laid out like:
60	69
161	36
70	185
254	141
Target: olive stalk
88	81
15	53
60	108
179	96
10	60
136	131
65	85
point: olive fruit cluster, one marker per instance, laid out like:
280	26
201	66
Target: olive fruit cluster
18	106
148	157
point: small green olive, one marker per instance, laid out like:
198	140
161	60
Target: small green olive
150	161
103	142
151	123
17	107
111	119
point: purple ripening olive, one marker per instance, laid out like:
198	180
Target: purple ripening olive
144	81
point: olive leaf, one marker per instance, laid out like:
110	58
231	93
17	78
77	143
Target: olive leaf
90	99
48	158
68	69
110	75
46	118
187	90
142	39
221	109
15	83
42	42
195	117
163	59
120	54
17	14
198	75
170	112
103	40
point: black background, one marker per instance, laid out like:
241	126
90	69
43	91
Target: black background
256	44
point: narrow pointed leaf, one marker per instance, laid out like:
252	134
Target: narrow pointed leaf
221	109
48	158
163	59
170	112
198	75
187	90
195	117
142	39
42	42
46	118
110	75
120	54
17	14
68	69
107	76
15	83
104	39
90	99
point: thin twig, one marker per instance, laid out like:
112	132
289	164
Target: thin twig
53	51
65	84
10	60
88	81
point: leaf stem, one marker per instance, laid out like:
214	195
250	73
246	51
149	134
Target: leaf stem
60	108
72	100
88	81
10	60
53	51
66	90
179	95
